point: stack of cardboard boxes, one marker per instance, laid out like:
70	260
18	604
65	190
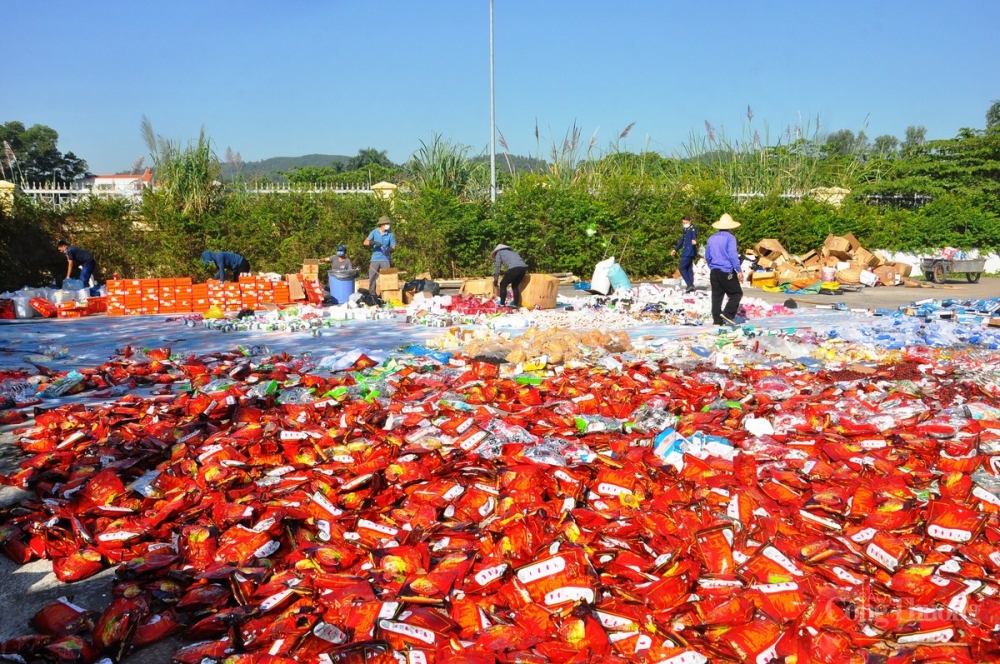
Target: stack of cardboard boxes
841	257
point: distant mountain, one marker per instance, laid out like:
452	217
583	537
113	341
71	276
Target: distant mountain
270	168
517	162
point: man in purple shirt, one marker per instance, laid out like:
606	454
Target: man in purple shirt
727	273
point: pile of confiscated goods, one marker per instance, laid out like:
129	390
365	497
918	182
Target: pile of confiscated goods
435	508
840	260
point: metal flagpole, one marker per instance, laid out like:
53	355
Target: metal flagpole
493	125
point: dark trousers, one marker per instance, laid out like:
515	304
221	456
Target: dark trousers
86	270
242	268
725	284
687	270
513	278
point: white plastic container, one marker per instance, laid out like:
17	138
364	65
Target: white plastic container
22	307
60	296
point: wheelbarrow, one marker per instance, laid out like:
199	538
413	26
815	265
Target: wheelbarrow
937	269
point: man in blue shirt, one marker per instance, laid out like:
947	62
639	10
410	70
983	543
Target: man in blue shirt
727	272
227	260
383	243
688	246
77	256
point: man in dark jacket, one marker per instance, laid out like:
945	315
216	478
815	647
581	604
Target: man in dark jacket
77	256
226	260
514	270
688	246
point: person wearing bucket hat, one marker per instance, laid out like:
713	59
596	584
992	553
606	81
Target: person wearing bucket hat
383	243
514	270
340	261
727	272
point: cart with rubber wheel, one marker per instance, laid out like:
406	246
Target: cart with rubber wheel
938	269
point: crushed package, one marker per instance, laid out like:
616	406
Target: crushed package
428	507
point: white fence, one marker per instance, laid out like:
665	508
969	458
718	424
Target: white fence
61	194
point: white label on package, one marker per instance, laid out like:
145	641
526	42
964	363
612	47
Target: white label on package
473	440
829	523
487	507
454	492
411	631
610	620
322	501
485	576
569	594
388	610
267	549
881	556
689	657
950	534
985	496
863	535
377	527
330	633
608	489
776	556
274	600
844	575
935	636
542	569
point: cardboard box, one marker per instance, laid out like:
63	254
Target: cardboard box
760	279
388	280
888	275
539	291
770	248
852	242
838	246
765	262
390	293
904	269
310	269
482	287
810	258
410	296
864	257
295	290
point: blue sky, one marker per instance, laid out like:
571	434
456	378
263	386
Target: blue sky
334	76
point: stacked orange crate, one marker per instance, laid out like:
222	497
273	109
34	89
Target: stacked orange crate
199	298
216	294
96	305
248	291
116	298
281	294
184	291
231	290
133	297
168	299
265	291
70	310
150	296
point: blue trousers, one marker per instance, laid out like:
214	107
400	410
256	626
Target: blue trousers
86	270
687	270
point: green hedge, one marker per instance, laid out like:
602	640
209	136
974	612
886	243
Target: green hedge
556	226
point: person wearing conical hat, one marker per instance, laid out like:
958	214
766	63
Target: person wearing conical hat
514	270
727	272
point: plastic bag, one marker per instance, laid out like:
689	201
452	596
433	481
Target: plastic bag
600	283
63	386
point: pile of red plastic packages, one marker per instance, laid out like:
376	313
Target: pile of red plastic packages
424	512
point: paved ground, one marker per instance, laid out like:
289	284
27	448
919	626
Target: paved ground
25	589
